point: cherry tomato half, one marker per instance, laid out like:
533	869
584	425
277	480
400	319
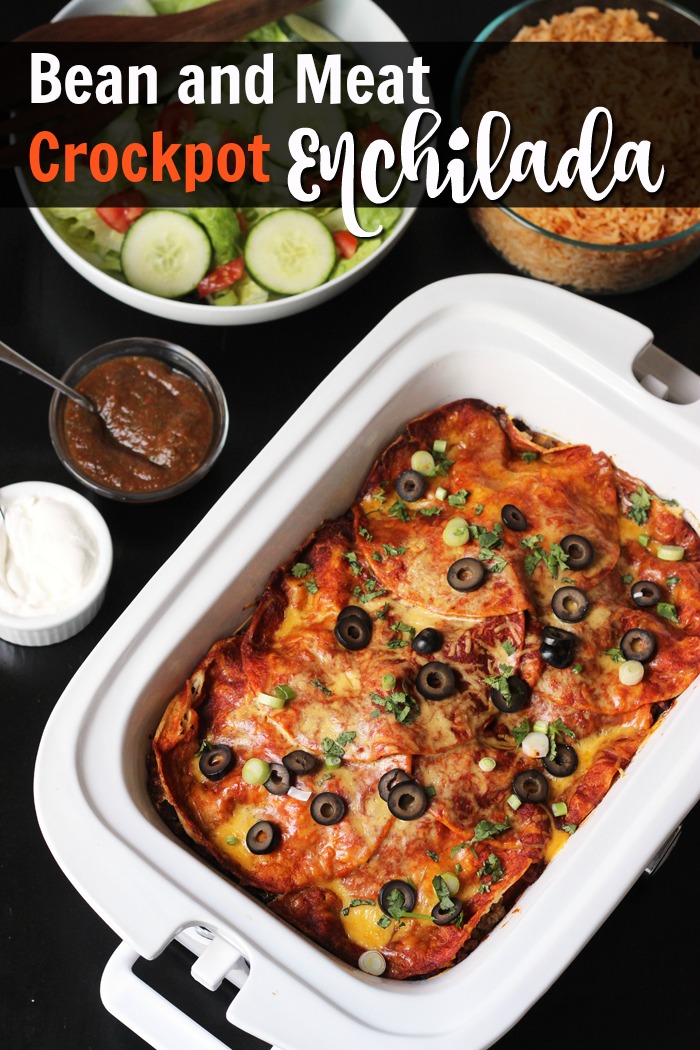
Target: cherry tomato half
121	209
221	278
346	243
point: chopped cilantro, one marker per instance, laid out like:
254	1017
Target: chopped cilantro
433	855
394	903
668	611
384	922
627	578
491	870
356	902
555	560
509	647
555	729
401	628
567	579
319	685
381	613
479	509
521	731
442	463
399	510
355	566
392	551
379	495
672	581
324	778
336	748
401	705
497	565
529	457
372	590
377	556
641	505
668	502
300	569
442	893
365	533
458	499
204	745
430	791
499	682
616	655
429	512
489	540
485	829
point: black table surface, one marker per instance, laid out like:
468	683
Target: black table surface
634	984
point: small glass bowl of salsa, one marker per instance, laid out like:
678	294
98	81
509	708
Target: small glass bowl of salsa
162	421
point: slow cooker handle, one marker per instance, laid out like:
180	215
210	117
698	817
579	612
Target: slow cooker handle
155	1019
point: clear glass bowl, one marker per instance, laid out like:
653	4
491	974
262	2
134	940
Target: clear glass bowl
175	357
583	266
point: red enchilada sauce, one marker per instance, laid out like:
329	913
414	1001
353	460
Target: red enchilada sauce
154	429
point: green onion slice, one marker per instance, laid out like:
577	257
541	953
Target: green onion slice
667	552
456	532
372	962
256	771
423	462
277	702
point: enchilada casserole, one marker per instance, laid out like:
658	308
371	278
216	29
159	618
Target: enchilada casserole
436	689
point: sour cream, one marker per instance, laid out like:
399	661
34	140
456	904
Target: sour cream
48	556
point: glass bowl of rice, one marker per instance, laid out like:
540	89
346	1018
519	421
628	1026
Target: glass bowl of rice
599	249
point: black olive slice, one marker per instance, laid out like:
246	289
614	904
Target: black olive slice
638	644
216	761
564	762
446	918
645	593
436	681
390	779
263	837
519	695
578	550
407	800
279	780
570	604
404	888
559	656
554	635
427	641
353	632
354	610
299	761
466	574
531	786
327	808
410	486
513	518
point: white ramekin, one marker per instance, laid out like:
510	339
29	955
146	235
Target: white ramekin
55	627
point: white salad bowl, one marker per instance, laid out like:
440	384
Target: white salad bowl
359	21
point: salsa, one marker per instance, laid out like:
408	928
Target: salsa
154	428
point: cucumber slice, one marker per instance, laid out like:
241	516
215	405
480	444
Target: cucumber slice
277	122
165	253
290	251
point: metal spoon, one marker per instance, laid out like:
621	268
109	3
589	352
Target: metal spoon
11	357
